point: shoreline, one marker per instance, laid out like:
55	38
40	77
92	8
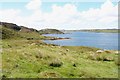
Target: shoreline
80	46
60	38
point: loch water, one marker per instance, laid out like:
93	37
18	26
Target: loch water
90	39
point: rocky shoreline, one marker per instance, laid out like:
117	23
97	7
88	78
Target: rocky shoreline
59	38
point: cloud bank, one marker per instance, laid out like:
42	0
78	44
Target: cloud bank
64	17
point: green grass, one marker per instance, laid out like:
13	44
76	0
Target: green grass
25	55
8	33
32	58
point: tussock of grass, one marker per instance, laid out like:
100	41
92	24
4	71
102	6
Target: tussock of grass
55	63
105	56
49	74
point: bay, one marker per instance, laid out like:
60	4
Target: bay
90	39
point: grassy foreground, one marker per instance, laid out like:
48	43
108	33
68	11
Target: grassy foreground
25	55
34	59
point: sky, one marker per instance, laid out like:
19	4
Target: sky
61	14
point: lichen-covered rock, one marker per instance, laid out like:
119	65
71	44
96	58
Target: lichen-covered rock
99	51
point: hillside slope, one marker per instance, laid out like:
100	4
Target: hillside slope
13	31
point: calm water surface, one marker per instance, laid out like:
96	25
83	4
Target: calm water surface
91	39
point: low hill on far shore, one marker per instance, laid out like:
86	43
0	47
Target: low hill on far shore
103	30
94	30
50	31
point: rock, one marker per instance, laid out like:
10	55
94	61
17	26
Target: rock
100	51
60	53
116	52
33	43
108	59
52	46
59	47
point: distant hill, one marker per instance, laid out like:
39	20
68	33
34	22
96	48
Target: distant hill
50	31
103	30
94	30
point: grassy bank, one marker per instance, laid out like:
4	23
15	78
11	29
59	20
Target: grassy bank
34	59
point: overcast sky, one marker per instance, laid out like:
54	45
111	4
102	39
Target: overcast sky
62	14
